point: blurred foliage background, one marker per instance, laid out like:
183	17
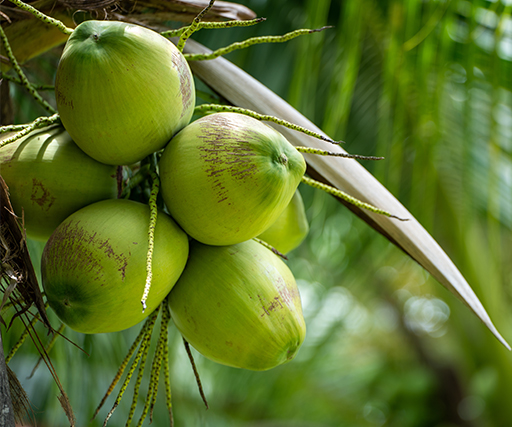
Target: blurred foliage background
428	85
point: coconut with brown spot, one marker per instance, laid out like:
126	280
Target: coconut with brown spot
227	177
49	178
239	305
94	265
122	90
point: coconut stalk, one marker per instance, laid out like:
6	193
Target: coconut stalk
30	37
242	90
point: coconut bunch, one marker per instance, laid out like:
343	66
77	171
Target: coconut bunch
225	179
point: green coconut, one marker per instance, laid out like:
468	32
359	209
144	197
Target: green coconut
94	265
290	229
49	178
227	177
122	90
239	305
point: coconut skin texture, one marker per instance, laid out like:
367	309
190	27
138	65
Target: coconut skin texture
49	178
290	229
94	265
239	306
226	177
122	91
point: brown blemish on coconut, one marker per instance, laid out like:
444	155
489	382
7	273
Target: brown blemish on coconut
41	195
226	150
273	305
286	293
263	307
74	249
62	99
122	269
185	81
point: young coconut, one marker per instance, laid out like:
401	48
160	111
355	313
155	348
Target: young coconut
239	305
94	265
290	229
227	177
49	178
122	90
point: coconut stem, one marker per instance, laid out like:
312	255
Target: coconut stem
138	178
21	74
196	373
249	42
270	247
36	124
309	150
192	28
143	350
151	241
48	348
41	16
123	366
352	200
213	25
166	318
136	387
22	339
12	128
155	373
204	108
18	81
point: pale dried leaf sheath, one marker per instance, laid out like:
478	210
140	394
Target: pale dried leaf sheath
221	10
346	174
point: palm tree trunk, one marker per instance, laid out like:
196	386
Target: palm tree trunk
6	410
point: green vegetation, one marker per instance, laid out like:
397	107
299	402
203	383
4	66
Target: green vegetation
427	85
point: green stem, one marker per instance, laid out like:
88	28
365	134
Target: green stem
142	350
123	366
352	200
49	347
155	374
21	74
18	81
204	108
270	247
12	128
151	233
192	28
196	373
166	318
36	124
136	388
41	16
250	42
135	180
213	25
309	150
22	339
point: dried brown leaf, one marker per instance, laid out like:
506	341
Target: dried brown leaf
20	403
66	405
15	256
